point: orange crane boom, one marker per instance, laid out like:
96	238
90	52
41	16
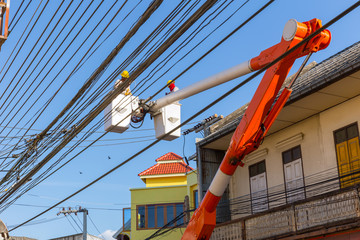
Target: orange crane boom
259	116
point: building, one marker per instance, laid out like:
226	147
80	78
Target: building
168	183
303	181
78	236
21	238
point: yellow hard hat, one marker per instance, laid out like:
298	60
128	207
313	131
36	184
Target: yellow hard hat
168	82
125	74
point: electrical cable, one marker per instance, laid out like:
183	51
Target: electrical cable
141	45
33	59
28	56
27	36
263	205
168	227
93	13
97	229
348	10
186	25
100	108
47	129
63	68
76	223
22	13
242	5
41	221
72	225
63	41
108	36
153	6
21	37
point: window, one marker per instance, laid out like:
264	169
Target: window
141	217
170	215
151	216
160	216
156	216
126	219
179	210
348	154
293	173
258	187
196	199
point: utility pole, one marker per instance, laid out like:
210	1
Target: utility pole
85	213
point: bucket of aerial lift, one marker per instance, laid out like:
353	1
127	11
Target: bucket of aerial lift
4	233
118	113
166	119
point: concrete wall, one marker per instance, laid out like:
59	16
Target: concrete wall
315	137
191	187
165	181
77	237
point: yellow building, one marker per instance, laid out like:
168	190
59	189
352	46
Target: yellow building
162	200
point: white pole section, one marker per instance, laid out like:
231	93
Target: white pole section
207	83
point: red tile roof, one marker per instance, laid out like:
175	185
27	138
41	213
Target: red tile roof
167	168
167	165
169	156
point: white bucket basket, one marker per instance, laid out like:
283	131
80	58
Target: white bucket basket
117	113
166	120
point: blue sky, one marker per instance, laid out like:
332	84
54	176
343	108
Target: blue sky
113	191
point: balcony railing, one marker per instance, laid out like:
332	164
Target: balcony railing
296	218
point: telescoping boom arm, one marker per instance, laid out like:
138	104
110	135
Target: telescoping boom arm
213	81
258	117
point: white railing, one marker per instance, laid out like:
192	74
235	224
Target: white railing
272	224
301	216
327	210
230	231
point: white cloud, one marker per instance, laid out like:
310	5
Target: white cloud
108	235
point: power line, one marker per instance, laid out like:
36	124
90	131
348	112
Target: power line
107	100
43	109
75	222
71	29
72	158
96	111
28	56
100	70
42	221
41	135
17	11
22	45
97	229
21	37
208	106
72	225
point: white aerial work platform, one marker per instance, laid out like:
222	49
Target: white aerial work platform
118	113
166	119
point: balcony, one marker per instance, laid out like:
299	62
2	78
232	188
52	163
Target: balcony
314	216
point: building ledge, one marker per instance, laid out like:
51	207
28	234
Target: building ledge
148	188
